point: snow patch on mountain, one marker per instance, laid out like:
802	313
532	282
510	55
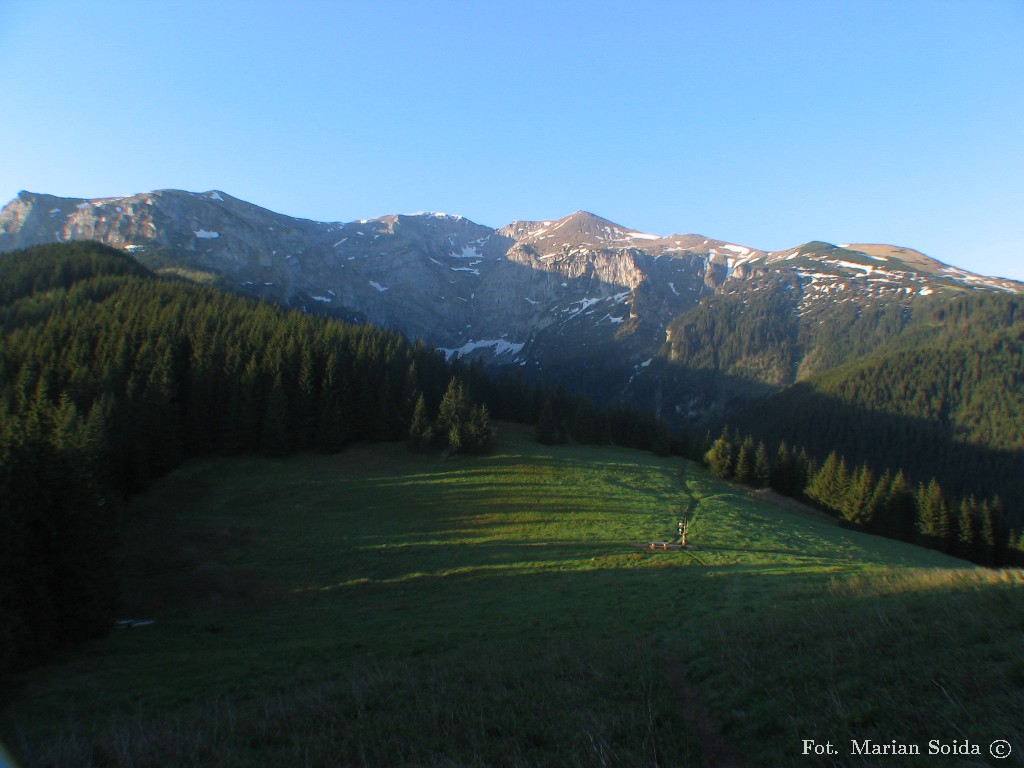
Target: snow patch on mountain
501	347
584	304
867	268
737	249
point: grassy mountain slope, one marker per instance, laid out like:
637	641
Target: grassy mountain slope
378	607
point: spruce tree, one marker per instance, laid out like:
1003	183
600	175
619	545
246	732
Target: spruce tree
719	456
334	422
805	468
745	462
932	515
454	409
858	496
829	484
967	535
986	534
783	475
762	467
456	438
900	510
274	437
421	434
875	516
478	429
304	405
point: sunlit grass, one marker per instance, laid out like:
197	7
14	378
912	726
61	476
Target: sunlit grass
495	584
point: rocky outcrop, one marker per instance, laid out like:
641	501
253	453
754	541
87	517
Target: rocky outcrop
534	293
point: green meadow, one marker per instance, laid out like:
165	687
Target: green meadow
383	608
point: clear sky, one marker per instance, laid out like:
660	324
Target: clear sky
763	122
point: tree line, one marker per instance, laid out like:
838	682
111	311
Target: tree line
887	503
932	384
111	376
953	411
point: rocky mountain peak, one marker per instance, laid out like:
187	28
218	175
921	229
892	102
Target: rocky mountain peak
581	229
536	293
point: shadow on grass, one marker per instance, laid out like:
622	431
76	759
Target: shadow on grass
912	655
567	667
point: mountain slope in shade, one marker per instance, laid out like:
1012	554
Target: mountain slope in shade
580	298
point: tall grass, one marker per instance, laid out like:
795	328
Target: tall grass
586	704
382	608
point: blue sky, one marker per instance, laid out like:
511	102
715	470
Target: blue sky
767	123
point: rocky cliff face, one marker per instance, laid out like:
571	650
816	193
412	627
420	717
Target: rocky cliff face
518	294
579	291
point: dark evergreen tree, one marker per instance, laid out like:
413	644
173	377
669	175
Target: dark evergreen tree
875	516
986	534
857	500
662	444
274	436
548	430
744	470
967	535
421	433
932	515
900	519
830	484
334	425
478	429
454	409
304	406
762	467
784	472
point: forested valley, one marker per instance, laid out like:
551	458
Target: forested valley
111	376
928	385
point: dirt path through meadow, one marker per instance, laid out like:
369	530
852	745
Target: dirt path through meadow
715	751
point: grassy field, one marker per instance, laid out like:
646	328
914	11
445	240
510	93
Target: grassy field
382	608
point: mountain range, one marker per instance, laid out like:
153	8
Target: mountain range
579	299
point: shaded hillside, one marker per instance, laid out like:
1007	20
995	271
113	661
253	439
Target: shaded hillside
945	400
578	300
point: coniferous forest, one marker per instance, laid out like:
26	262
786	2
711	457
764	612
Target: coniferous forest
111	376
930	385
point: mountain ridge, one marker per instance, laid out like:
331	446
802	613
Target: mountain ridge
594	229
580	297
